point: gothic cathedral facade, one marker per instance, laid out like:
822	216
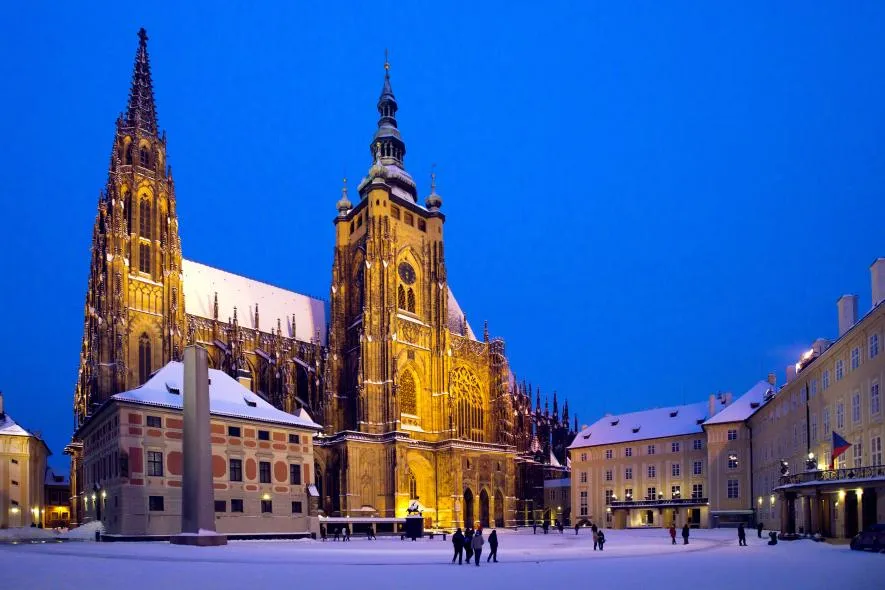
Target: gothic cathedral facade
416	408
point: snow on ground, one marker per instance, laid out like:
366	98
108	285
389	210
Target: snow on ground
632	559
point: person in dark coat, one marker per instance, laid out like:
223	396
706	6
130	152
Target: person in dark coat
477	543
545	526
337	534
577	526
560	526
458	544
759	530
595	532
600	538
742	535
345	533
493	547
673	533
685	534
534	528
468	544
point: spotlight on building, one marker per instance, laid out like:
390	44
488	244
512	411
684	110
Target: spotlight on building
810	462
785	467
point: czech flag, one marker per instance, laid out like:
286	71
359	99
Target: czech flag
840	445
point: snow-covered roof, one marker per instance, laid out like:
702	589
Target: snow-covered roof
456	318
10	428
635	426
227	397
743	407
54	479
201	282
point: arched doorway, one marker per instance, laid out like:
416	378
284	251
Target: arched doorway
499	509
484	508
468	508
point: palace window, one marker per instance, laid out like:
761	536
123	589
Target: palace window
144	357
840	370
674	447
584	503
628	493
697	491
155	463
733	489
236	474
652	471
294	474
855	357
413	486
675	469
855	407
266	507
698	468
155	503
609	453
583	477
874	346
583	456
651	493
407	395
858	453
264	471
609	496
154	422
628	473
233	431
236	505
296	507
675	492
875	450
651	449
825	381
814	427
220	505
732	434
874	399
840	416
813	388
698	444
628	452
293	439
826	422
609	476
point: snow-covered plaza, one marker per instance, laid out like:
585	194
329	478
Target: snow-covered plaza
632	559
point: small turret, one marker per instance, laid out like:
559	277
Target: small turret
344	204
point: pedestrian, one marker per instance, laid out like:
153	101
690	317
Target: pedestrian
673	533
493	547
560	526
323	533
546	526
600	538
759	530
468	544
595	537
371	534
458	544
742	535
534	527
685	534
477	543
346	533
577	526
337	533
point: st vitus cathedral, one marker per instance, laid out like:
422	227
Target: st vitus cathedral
414	405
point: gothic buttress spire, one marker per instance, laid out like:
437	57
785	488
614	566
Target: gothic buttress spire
141	111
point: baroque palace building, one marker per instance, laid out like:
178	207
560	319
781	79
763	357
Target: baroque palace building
414	406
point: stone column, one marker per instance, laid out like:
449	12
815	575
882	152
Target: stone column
197	495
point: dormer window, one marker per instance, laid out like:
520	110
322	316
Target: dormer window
674	413
615	422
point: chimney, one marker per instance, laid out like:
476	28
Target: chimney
772	379
847	305
712	407
2	414
877	277
820	346
791	373
728	398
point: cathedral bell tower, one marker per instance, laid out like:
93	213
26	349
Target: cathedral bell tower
388	294
134	313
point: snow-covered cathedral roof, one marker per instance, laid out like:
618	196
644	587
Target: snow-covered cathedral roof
457	318
227	397
201	282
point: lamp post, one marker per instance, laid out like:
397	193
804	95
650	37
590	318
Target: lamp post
810	462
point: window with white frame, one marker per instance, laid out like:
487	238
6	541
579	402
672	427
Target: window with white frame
674	447
840	415
698	468
609	496
628	452
583	477
875	450
855	357
698	444
733	461
855	407
652	472
842	462
697	491
584	503
651	493
813	388
628	473
608	454
675	492
858	452
675	469
732	434
608	475
628	493
840	370
733	489
825	380
651	449
874	399
874	346
814	427
826	422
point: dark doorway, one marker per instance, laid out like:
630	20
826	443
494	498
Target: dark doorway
868	508
694	517
850	514
790	499
484	508
468	508
499	509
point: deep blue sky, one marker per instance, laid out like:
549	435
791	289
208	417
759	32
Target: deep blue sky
648	201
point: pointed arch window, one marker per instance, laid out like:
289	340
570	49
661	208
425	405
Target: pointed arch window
401	297
144	219
144	157
413	486
144	357
410	300
144	258
408	403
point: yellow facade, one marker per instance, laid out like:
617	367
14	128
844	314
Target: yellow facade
22	466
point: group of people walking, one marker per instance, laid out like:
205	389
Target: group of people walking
685	532
471	543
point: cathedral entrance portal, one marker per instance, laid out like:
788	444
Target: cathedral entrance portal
484	508
468	508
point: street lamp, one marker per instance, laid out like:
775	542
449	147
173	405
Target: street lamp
810	462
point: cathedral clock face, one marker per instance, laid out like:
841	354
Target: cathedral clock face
406	273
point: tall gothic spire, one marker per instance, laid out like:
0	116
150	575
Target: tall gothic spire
141	111
393	149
